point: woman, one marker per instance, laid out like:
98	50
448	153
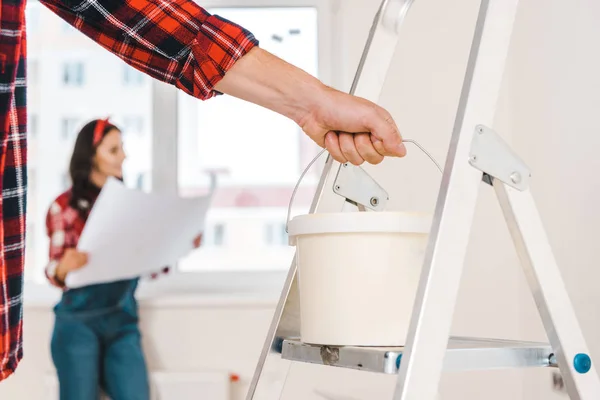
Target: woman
96	340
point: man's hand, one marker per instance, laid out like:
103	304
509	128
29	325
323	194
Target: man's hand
351	128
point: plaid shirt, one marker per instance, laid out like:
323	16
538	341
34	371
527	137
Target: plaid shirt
64	226
175	41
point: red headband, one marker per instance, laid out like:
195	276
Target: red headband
99	130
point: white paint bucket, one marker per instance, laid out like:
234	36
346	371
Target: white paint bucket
358	274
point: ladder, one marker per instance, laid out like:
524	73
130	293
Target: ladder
476	155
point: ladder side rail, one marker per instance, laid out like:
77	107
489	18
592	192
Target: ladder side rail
549	292
429	331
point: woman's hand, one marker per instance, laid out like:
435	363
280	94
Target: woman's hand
72	260
198	241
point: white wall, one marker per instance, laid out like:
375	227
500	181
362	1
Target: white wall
555	98
550	92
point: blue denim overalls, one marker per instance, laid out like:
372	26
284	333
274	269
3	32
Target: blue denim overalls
96	343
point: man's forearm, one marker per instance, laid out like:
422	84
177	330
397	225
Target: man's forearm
183	45
264	79
350	128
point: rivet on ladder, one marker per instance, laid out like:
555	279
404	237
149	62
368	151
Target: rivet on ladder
515	177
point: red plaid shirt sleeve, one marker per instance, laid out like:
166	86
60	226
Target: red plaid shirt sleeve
175	41
57	232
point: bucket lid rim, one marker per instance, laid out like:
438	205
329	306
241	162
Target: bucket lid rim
360	222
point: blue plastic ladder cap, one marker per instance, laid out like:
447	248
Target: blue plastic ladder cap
582	363
398	361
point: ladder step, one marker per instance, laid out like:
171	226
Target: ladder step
463	354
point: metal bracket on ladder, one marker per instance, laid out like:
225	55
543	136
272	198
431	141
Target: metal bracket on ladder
476	153
359	188
490	154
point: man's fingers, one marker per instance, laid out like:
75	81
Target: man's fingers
355	148
383	128
366	148
378	145
332	144
349	148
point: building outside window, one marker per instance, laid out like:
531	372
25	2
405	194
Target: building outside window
73	73
132	77
69	128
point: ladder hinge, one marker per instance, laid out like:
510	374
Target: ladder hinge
492	156
357	186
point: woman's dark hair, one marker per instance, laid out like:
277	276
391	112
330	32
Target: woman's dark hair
83	191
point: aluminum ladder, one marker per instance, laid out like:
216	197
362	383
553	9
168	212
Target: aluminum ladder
476	154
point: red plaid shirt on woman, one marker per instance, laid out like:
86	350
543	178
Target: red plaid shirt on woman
175	41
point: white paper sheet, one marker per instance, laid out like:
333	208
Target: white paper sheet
130	233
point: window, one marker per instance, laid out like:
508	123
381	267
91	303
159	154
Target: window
252	197
131	76
56	113
254	188
140	181
217	235
275	234
133	124
73	74
69	128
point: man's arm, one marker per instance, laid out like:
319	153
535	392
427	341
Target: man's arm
178	42
351	128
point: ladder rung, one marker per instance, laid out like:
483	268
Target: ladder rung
463	354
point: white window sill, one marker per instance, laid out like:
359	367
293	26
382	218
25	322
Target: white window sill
190	289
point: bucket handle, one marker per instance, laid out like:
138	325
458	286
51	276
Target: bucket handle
289	211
